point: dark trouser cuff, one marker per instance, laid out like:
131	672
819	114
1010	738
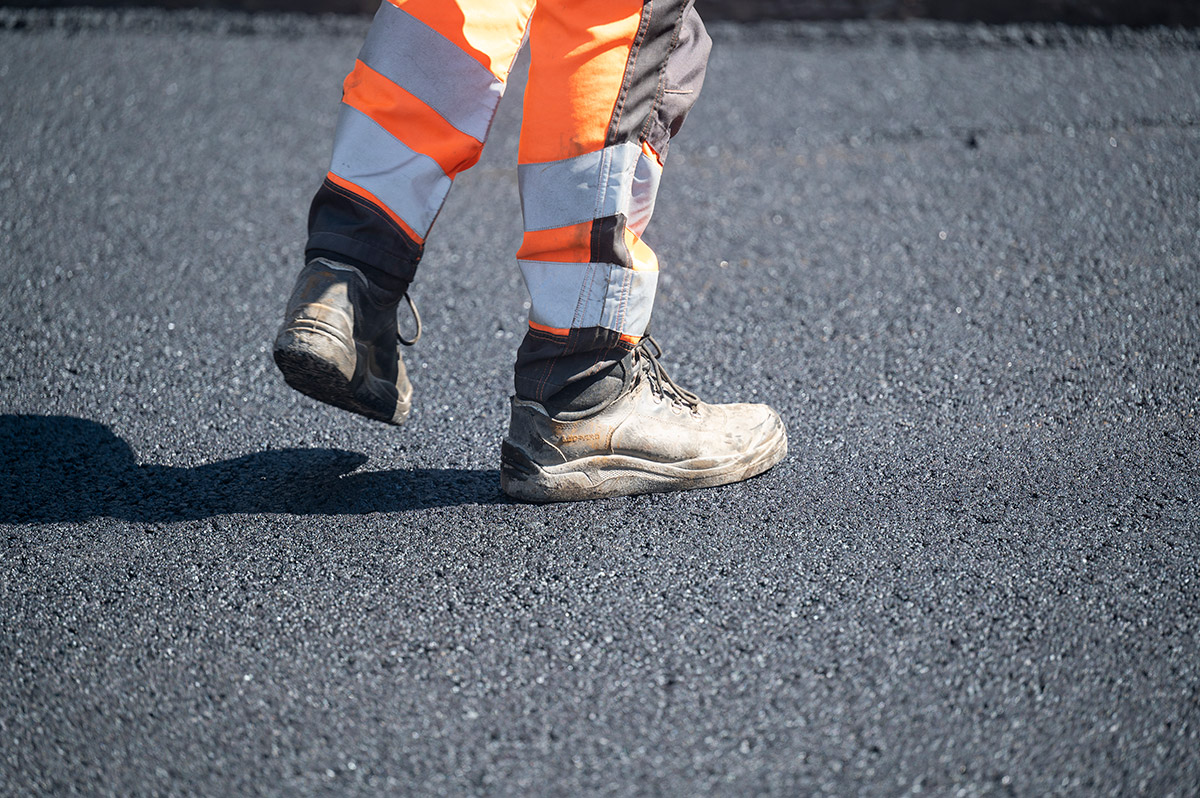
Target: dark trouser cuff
549	363
347	228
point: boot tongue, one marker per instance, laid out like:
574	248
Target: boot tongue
592	393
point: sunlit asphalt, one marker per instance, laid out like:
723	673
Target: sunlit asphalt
962	262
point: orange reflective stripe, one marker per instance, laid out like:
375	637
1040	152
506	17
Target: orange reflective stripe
488	31
644	259
571	244
367	195
575	76
632	340
410	120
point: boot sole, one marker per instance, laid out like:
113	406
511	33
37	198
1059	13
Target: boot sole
320	365
603	476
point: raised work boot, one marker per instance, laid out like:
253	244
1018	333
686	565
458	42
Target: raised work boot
653	436
338	342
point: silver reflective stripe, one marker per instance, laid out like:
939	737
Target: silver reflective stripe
579	189
646	176
433	69
412	185
581	295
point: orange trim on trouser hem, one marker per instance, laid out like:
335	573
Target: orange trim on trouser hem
575	75
555	331
632	340
343	183
411	121
491	32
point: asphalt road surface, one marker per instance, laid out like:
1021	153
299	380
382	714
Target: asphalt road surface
962	262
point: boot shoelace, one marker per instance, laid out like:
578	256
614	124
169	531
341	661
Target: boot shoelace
416	318
660	382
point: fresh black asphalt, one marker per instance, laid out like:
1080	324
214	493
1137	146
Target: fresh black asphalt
961	261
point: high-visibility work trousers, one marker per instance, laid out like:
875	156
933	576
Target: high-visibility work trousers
610	82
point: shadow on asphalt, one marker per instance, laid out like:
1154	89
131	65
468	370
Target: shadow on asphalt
61	468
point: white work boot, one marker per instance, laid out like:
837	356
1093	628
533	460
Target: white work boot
652	437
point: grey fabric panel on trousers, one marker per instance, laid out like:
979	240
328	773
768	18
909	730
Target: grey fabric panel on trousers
434	69
646	177
602	295
410	184
642	93
682	80
579	189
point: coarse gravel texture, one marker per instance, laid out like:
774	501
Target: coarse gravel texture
962	263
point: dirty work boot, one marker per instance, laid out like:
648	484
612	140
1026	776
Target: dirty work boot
653	436
338	342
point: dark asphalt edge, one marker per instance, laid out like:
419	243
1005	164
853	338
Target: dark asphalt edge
912	33
156	20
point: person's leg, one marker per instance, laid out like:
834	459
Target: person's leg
415	112
610	82
594	413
